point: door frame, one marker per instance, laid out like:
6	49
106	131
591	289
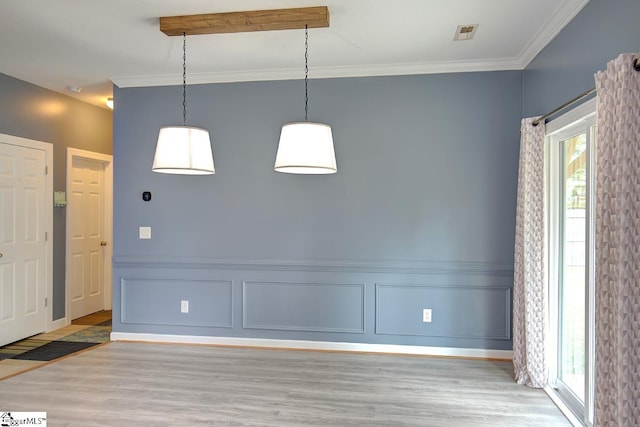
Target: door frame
47	147
584	116
107	161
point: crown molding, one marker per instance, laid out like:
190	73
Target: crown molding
561	17
370	70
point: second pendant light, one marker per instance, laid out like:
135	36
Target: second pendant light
306	147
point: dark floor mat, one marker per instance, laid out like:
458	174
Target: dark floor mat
12	350
54	350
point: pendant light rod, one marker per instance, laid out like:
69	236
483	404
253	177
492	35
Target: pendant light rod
306	72
184	79
247	21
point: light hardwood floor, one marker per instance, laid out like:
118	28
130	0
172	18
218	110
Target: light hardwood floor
146	384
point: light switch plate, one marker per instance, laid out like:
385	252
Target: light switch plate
145	232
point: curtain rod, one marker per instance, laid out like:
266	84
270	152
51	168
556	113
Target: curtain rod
537	121
636	65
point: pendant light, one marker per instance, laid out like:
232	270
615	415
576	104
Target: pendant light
306	147
184	150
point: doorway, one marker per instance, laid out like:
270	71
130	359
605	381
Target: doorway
26	221
571	142
89	223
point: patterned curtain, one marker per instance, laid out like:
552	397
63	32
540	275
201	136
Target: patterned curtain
529	287
617	284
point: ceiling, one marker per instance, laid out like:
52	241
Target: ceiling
90	44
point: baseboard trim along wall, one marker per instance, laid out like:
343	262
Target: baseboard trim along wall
57	324
316	345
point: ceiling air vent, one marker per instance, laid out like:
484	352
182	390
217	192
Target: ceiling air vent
465	32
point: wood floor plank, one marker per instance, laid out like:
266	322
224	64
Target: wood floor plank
166	385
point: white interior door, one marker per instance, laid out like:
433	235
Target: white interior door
85	227
22	242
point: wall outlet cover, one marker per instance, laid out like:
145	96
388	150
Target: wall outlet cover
145	232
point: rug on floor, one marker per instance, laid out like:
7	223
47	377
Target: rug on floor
54	350
30	353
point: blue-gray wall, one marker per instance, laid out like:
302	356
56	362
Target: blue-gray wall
566	67
32	112
419	215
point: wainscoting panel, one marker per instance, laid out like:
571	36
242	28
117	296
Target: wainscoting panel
157	302
457	311
317	301
314	307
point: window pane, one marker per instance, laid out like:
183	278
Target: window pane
573	286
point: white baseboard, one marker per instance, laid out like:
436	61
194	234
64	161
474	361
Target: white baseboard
57	324
316	345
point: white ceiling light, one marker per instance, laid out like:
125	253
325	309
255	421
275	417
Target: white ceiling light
183	150
306	147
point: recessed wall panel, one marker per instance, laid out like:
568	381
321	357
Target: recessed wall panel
456	311
158	302
318	307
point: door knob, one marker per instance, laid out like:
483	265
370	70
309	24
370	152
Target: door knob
103	243
1	255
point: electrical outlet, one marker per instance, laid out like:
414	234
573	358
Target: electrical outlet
426	315
184	306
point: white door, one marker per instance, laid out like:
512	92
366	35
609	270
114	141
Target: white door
85	188
22	242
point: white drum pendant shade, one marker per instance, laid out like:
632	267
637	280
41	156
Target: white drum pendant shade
306	148
183	150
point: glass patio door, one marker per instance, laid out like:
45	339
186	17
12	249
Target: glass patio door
573	280
572	231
